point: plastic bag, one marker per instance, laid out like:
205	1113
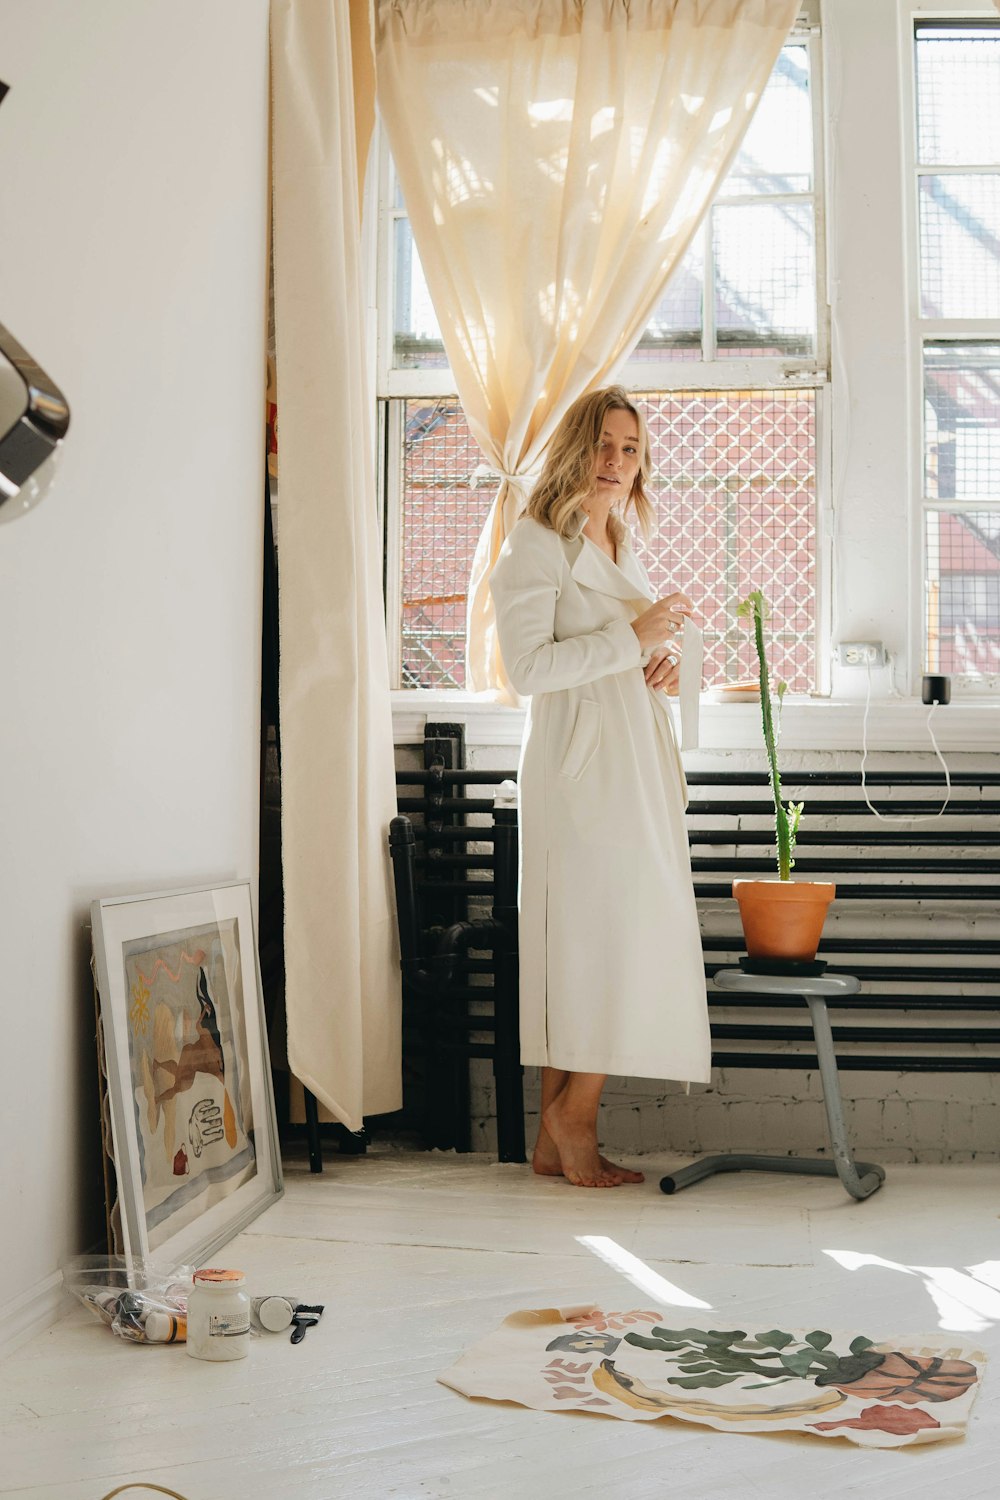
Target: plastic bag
143	1303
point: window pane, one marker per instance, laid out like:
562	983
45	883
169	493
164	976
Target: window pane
765	300
777	155
735	494
416	332
962	421
775	248
960	246
734	486
963	592
674	330
447	494
958	86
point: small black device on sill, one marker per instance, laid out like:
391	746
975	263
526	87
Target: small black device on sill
936	690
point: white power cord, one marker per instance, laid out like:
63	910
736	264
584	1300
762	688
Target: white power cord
901	817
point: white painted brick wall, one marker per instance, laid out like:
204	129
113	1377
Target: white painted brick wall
891	1116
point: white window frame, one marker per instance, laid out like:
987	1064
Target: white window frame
924	330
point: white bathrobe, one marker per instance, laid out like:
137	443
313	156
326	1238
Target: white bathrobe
612	972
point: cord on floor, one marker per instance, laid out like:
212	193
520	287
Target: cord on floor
140	1484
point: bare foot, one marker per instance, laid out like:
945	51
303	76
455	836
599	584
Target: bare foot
576	1146
545	1161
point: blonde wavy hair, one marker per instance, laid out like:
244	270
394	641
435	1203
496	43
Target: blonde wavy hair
567	477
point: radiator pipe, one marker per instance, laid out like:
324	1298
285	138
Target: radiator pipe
449	942
402	847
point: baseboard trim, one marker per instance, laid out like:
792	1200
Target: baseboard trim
34	1310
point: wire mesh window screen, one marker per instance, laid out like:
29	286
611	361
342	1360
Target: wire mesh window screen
735	489
447	491
760	275
765	263
960	245
962	586
675	329
958	84
958	138
776	154
962	421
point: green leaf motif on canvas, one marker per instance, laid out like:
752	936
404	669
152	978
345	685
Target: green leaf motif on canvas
710	1357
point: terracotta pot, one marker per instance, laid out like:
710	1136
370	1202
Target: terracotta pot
783	918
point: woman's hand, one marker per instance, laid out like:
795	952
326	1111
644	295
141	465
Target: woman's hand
662	620
663	670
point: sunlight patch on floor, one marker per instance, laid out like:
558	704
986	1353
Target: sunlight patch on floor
635	1270
965	1300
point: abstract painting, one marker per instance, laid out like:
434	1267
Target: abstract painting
875	1392
184	1052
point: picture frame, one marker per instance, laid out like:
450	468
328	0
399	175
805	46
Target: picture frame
188	1113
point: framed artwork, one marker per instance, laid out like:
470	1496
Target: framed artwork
188	1113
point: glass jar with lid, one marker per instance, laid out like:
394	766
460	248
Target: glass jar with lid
218	1315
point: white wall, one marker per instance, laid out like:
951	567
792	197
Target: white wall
133	192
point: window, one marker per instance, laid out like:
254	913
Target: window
957	69
732	372
822	377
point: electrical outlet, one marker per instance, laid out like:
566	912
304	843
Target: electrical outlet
861	654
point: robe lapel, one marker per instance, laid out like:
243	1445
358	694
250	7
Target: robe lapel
629	565
622	579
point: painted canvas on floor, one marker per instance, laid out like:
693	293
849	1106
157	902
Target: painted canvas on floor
189	1110
189	1072
637	1365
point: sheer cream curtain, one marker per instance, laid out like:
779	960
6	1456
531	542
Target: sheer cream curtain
556	158
338	783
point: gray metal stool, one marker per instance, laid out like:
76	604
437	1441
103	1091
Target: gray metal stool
862	1178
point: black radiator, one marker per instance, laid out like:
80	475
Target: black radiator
930	998
926	894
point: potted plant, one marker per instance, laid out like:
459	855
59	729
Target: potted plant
782	918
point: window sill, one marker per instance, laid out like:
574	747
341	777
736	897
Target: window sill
807	724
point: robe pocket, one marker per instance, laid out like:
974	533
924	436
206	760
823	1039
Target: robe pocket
584	740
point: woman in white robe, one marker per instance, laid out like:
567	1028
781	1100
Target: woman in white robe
612	976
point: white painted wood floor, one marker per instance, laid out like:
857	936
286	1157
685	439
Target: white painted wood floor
416	1256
